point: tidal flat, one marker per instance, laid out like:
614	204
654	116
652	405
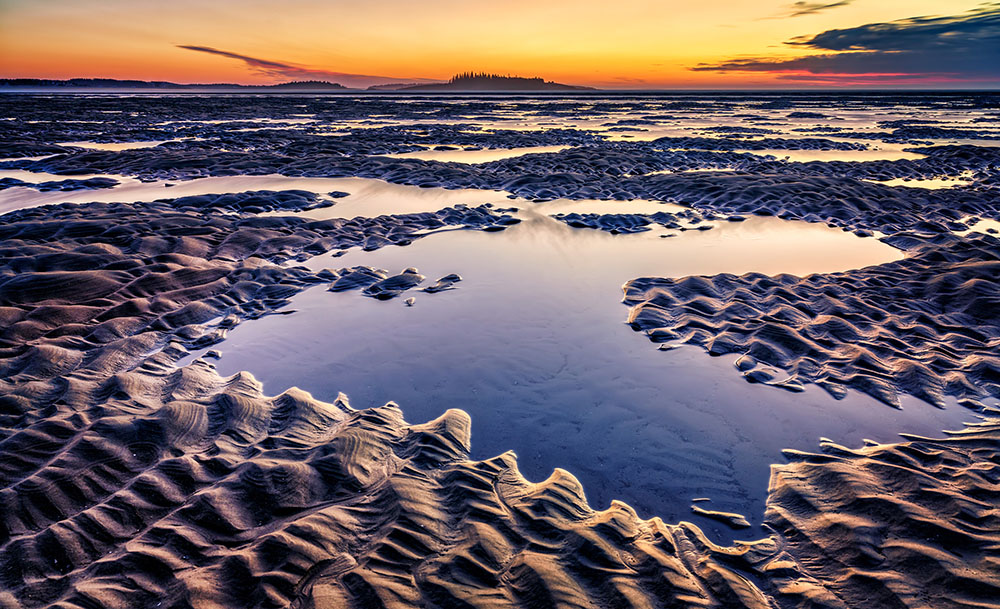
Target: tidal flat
699	350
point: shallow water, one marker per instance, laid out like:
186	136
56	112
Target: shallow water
929	183
369	197
880	152
484	155
114	146
983	225
20	197
534	346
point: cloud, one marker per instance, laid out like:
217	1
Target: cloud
278	69
798	9
954	49
965	32
802	8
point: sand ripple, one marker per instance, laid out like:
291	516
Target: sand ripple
928	325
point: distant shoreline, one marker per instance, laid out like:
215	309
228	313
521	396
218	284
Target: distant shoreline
469	82
463	86
69	90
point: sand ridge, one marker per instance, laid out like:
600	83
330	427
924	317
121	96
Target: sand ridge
60	185
623	224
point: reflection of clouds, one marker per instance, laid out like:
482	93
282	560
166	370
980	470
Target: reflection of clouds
484	155
885	152
764	244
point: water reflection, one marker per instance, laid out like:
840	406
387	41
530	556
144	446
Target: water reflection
114	146
929	183
369	197
475	156
533	345
883	152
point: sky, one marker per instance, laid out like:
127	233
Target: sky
625	44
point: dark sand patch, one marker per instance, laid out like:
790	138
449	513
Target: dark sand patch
59	185
635	223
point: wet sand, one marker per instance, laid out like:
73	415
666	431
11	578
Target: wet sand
134	473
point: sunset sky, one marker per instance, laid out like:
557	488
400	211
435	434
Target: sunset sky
629	44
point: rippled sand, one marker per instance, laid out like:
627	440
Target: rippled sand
285	237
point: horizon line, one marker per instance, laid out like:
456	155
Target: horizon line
377	89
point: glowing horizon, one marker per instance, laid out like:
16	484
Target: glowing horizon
632	44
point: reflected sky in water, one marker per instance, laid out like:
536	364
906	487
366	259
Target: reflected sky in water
484	155
534	346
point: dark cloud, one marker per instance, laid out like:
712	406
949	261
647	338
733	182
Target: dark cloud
976	29
261	65
278	69
958	48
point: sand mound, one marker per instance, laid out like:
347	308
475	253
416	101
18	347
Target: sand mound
634	223
905	525
928	325
187	489
60	185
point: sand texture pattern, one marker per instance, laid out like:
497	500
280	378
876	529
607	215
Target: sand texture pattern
928	325
186	489
128	482
134	477
897	526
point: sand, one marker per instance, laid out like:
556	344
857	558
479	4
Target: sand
928	325
127	480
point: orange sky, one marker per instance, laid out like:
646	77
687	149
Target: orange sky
623	44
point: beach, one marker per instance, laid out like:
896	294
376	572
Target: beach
657	350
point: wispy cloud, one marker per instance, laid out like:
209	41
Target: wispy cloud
799	9
802	8
285	70
953	49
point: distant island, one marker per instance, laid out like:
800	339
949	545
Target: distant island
481	81
467	81
114	83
